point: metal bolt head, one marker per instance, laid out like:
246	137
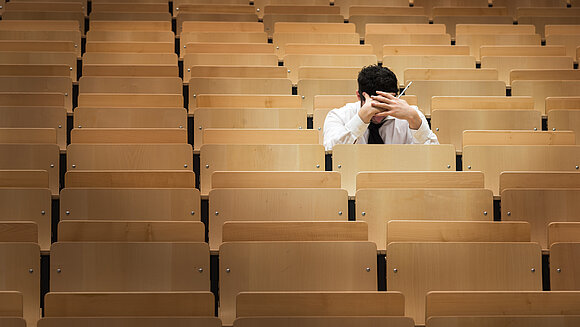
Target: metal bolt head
189	69
363	213
448	166
76	46
180	126
177	9
340	213
216	213
228	270
437	129
317	166
509	213
288	70
51	165
200	128
192	212
533	269
206	166
485	213
395	270
559	270
339	166
554	128
43	212
58	270
318	128
577	167
303	97
185	47
258	10
74	166
299	127
66	94
535	128
277	48
200	270
185	166
368	269
80	126
30	270
468	167
67	212
59	126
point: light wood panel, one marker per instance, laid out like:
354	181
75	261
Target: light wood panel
130	47
522	50
540	207
489	321
273	204
350	159
34	70
570	42
217	26
492	160
333	101
130	16
34	157
251	231
40	25
46	16
131	231
11	304
28	135
564	271
119	58
317	48
505	64
134	266
25	45
38	117
563	232
130	179
538	179
572	102
212	8
309	88
246	118
457	231
513	303
280	40
378	40
307	304
214	17
470	16
124	135
39	84
130	321
87	117
248	101
28	178
307	269
422	179
259	136
412	74
300	9
130	204
398	64
437	204
570	17
221	37
212	85
427	89
143	85
391	50
305	72
275	179
294	61
271	20
475	41
482	102
385	12
130	156
21	231
417	268
131	71
131	36
21	272
212	47
450	125
32	99
122	304
540	90
322	321
239	71
514	137
544	74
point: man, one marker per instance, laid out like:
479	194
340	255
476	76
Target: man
379	117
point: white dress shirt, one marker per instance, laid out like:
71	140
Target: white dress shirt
344	126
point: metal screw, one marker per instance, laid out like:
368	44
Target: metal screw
185	166
318	128
76	46
200	270
177	9
189	69
51	165
437	129
58	270
577	167
31	270
184	47
277	48
559	270
340	213
66	94
258	10
206	166
339	166
228	270
468	167
74	166
363	213
192	212
200	128
288	70
395	270
368	269
448	166
43	212
317	166
217	213
535	128
509	213
80	126
59	126
485	213
180	126
554	128
299	127
302	97
533	269
67	212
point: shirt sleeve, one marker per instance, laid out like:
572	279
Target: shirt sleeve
339	130
423	135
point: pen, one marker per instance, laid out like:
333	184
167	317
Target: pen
405	89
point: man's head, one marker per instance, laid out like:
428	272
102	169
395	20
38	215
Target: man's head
375	78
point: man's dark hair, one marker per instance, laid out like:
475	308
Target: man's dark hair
375	78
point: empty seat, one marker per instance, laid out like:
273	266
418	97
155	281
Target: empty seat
275	179
294	61
183	18
308	89
36	117
11	309
259	136
281	40
115	203
352	266
482	102
417	268
130	179
130	321
271	20
274	101
130	231
517	137
563	232
410	34
528	320
130	100
170	118
33	157
43	84
322	321
250	231
506	64
239	71
349	159
395	13
540	17
540	90
139	85
226	59
129	135
398	63
469	15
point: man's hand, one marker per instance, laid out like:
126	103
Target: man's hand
387	104
367	111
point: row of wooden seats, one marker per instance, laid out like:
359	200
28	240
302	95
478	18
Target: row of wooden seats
347	258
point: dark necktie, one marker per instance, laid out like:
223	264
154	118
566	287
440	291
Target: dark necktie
374	136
